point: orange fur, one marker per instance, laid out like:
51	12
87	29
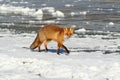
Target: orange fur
51	32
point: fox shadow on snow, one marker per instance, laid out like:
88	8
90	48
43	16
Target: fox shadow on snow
52	51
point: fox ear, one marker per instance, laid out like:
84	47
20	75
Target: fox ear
71	29
65	28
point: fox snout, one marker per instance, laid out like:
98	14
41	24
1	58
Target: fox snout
68	34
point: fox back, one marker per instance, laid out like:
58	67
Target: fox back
52	32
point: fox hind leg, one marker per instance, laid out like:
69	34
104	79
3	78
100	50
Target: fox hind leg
58	50
45	44
39	46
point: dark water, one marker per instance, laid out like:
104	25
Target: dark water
99	15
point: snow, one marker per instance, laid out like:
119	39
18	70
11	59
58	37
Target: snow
81	30
17	62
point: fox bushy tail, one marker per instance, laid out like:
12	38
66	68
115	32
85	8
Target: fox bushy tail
35	42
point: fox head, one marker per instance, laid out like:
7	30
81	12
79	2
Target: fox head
68	31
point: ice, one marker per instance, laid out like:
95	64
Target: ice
58	14
38	14
5	9
81	30
54	12
83	12
78	13
69	5
72	13
18	62
44	4
26	11
111	23
49	9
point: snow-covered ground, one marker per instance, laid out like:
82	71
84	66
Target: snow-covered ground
88	59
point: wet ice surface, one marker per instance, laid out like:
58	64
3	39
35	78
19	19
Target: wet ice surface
92	57
90	14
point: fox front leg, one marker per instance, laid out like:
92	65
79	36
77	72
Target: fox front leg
66	49
61	45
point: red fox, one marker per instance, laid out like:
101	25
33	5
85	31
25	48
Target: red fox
52	32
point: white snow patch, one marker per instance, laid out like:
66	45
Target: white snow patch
69	5
81	30
53	12
83	12
78	13
58	14
111	23
38	14
17	62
